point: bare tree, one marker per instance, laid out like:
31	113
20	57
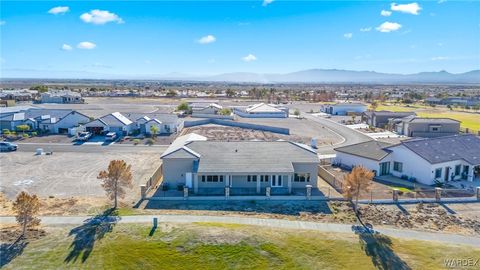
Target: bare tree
115	179
26	206
356	182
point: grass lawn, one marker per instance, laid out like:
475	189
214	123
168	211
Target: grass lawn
224	246
469	120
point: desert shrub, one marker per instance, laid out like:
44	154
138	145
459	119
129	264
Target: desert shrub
136	141
26	135
34	133
149	142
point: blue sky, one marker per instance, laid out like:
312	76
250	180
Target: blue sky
203	37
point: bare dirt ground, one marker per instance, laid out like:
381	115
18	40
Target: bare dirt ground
302	128
68	174
221	133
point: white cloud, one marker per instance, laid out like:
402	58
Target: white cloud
59	10
388	27
366	29
87	45
439	58
207	39
66	47
385	13
97	16
348	35
3	22
267	2
412	8
249	58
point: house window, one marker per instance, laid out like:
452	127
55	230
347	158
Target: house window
457	169
252	178
212	178
301	177
264	178
398	166
438	173
203	178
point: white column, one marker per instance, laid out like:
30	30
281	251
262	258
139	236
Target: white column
289	183
470	173
227	180
195	183
258	183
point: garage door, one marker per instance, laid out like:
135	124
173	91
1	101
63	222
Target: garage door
95	130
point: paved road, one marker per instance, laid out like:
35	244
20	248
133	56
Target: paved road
65	147
275	223
350	136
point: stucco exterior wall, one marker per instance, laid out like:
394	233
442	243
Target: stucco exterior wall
352	161
174	170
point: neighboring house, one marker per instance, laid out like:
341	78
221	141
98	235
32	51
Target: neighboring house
427	161
455	101
343	108
262	110
127	123
204	165
61	96
18	95
381	118
202	108
46	120
425	127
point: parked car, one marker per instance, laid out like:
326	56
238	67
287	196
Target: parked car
84	136
7	146
111	136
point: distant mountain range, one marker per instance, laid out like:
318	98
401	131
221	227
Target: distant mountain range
304	76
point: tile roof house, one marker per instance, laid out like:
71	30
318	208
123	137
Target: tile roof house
425	127
427	160
47	120
204	165
262	110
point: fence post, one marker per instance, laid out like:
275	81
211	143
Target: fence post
227	193
143	191
309	191
478	193
267	192
395	195
438	194
185	193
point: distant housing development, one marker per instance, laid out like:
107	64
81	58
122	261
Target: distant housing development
343	108
61	96
262	110
246	166
426	161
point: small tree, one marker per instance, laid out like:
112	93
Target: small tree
356	182
225	111
154	130
183	107
296	113
374	105
23	128
26	206
115	179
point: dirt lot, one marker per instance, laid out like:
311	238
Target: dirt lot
67	174
303	128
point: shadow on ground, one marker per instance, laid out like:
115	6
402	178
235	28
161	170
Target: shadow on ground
268	207
88	233
379	248
8	252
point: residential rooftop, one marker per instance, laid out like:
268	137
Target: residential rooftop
371	149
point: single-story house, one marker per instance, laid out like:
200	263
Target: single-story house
343	108
203	165
127	123
428	160
262	110
381	118
425	127
47	120
61	96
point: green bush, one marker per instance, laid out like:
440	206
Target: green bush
136	141
6	131
34	133
26	135
149	142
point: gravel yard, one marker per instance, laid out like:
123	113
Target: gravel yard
67	174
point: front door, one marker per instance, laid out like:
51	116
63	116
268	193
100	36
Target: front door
384	168
277	181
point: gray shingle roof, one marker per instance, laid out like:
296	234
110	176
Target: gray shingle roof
166	118
250	157
433	120
393	114
371	149
449	148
